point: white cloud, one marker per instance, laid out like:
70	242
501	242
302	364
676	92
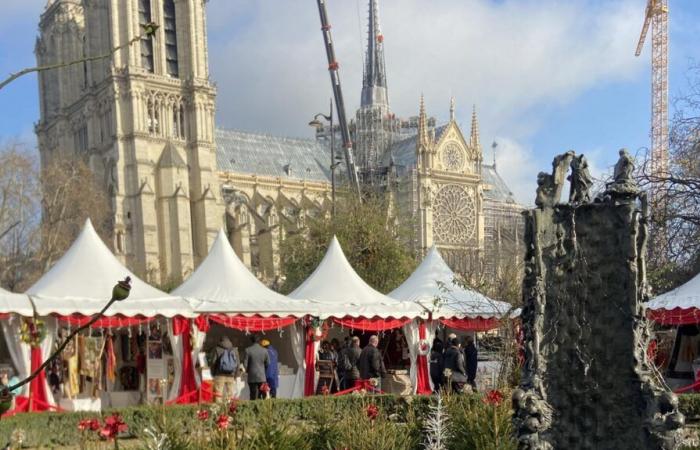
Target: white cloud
518	166
513	59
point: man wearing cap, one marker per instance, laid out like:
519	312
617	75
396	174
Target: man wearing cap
272	373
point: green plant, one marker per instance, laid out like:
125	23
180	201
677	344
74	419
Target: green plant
479	422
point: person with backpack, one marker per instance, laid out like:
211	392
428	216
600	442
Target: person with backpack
223	369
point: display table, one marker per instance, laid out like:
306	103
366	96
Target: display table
285	389
81	404
397	382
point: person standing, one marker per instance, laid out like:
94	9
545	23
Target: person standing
455	370
256	362
349	358
272	374
471	358
224	365
437	364
370	363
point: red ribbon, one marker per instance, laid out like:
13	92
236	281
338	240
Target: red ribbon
254	323
38	397
422	373
310	360
472	324
117	321
373	324
675	316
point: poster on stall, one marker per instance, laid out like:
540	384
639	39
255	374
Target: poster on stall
155	371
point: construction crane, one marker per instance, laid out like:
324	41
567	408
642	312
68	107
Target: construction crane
333	70
657	17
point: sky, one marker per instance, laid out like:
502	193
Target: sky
545	76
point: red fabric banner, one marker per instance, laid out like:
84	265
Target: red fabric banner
188	382
252	324
675	316
422	372
472	324
202	323
117	321
310	360
38	397
373	324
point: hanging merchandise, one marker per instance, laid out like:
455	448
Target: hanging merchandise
33	332
110	359
318	330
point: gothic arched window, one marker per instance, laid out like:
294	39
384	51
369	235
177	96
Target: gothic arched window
169	26
146	42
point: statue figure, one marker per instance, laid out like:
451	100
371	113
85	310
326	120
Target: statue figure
623	183
624	168
549	187
581	181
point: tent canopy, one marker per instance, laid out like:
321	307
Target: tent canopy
341	292
677	307
223	284
81	282
433	286
15	303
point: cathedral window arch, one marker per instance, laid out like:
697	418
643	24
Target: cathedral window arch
170	31
145	17
153	107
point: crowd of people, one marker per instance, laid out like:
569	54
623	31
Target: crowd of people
454	367
259	362
340	367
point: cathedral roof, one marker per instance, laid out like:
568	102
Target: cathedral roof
499	190
273	156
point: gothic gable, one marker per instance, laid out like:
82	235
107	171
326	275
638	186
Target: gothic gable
453	151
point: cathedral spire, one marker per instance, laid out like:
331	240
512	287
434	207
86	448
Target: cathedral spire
374	91
475	140
423	138
452	109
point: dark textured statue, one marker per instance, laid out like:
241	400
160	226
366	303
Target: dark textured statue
587	382
623	184
581	181
549	187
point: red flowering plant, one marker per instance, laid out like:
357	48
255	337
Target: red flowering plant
89	425
202	415
372	412
113	426
265	389
493	397
233	407
325	390
223	422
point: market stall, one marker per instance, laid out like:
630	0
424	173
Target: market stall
233	303
112	364
346	302
453	306
679	310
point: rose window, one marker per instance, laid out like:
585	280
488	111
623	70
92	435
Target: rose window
453	157
454	215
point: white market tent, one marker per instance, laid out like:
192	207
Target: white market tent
678	307
81	282
15	303
432	285
341	292
223	284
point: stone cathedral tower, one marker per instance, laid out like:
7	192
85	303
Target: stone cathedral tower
143	119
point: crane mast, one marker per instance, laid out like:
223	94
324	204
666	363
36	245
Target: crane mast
333	70
657	17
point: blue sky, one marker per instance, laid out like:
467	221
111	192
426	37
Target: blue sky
545	75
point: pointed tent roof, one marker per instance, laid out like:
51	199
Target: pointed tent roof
15	303
341	292
433	280
223	284
82	281
686	296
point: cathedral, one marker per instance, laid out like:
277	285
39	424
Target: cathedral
144	121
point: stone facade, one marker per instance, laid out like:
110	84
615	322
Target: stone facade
144	120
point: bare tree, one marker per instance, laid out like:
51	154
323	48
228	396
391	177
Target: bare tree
675	214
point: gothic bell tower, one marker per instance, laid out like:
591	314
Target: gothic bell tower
144	119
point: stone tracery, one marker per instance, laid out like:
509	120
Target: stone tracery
454	214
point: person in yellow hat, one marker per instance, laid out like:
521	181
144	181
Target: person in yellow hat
272	373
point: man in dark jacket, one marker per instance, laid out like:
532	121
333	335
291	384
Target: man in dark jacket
350	357
370	363
256	361
437	365
455	370
470	356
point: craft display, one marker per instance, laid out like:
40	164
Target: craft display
33	332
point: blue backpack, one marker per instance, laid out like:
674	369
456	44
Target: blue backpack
227	363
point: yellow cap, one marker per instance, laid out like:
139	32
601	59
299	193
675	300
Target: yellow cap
265	343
